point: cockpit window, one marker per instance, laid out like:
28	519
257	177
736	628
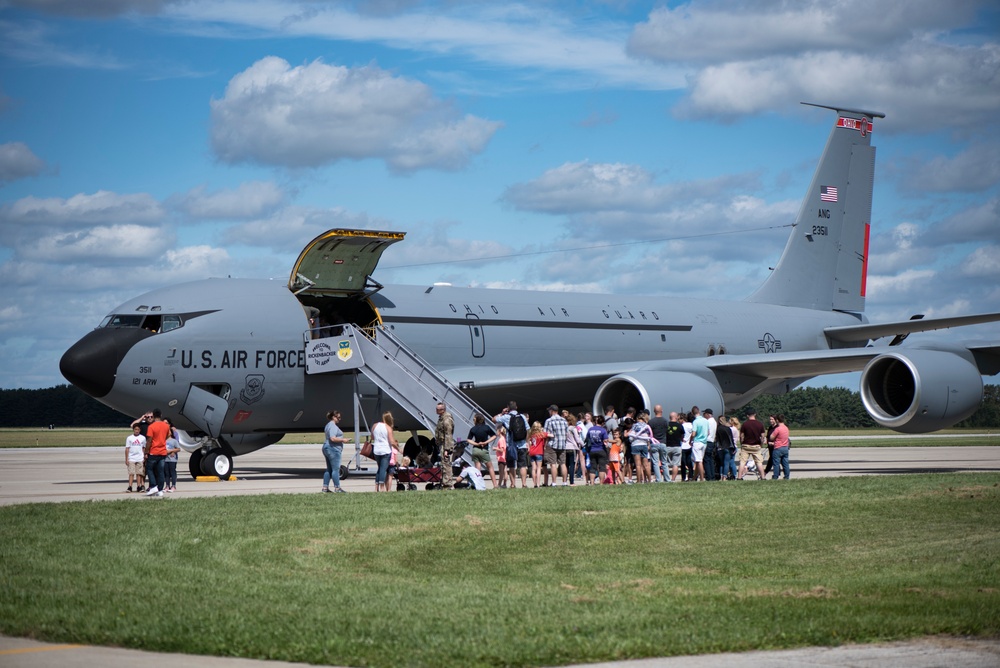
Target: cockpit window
154	323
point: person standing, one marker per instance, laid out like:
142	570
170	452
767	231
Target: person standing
383	443
517	439
687	463
658	448
480	437
556	427
699	442
675	436
156	449
444	437
711	463
641	437
597	443
170	461
135	447
781	443
751	441
725	447
333	450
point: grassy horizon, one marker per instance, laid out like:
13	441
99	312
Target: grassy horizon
514	578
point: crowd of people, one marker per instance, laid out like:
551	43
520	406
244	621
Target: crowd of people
151	454
583	449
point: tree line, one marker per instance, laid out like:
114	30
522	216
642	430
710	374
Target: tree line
807	407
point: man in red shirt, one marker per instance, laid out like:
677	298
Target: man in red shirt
156	449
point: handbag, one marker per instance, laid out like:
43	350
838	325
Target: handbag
367	449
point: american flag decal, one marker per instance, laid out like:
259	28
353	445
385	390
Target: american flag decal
827	193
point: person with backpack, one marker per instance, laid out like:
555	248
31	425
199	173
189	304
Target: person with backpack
597	444
516	425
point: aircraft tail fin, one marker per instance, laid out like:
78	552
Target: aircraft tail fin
825	262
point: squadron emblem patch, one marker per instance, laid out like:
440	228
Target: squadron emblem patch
345	353
253	391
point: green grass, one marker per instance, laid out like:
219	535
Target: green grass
511	578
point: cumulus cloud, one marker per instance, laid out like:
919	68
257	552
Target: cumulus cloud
98	244
248	200
82	209
93	8
317	114
714	32
975	169
984	262
976	223
18	162
900	59
291	228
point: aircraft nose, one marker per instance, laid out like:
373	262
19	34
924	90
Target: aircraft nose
92	362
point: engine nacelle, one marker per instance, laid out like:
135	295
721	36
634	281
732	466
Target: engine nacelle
917	391
674	390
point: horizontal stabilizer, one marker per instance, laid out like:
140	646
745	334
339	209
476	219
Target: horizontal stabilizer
903	327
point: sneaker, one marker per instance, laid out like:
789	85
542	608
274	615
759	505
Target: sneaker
140	488
339	490
325	489
171	489
152	491
158	494
129	490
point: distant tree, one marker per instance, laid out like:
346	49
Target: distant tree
62	405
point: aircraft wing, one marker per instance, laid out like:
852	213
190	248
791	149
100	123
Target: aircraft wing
868	331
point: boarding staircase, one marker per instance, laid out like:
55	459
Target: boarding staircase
397	370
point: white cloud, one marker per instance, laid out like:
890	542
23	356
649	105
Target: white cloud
984	262
291	228
100	244
82	209
18	162
246	201
317	114
975	169
716	32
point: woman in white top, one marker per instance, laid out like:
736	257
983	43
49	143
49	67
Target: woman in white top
383	443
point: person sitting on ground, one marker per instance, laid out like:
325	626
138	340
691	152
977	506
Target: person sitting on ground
470	477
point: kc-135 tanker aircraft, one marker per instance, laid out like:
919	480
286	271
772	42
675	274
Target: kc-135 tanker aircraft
237	363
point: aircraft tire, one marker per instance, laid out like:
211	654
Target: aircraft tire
343	472
194	464
217	463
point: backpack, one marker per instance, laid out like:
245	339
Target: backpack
518	430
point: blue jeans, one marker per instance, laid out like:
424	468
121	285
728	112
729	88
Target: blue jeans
728	464
332	455
658	455
170	472
154	471
709	461
383	468
780	458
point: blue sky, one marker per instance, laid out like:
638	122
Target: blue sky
144	143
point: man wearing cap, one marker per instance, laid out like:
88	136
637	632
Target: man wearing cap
555	447
751	440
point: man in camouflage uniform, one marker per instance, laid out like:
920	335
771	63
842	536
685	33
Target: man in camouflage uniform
445	439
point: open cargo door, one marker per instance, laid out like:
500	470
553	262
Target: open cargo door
340	263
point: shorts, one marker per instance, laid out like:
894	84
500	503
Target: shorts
673	457
136	468
554	457
598	461
640	450
751	452
481	455
698	452
537	458
522	458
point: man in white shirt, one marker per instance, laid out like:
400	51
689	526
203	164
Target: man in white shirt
473	475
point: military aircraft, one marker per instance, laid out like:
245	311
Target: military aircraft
238	363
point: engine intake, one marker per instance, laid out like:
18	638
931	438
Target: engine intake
674	390
918	391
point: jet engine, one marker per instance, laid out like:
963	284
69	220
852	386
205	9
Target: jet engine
674	390
917	391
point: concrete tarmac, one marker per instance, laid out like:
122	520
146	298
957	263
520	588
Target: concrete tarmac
29	475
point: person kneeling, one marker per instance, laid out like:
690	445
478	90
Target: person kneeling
470	477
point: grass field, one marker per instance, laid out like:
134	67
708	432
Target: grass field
516	578
51	438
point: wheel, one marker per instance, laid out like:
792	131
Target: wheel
217	463
343	472
194	464
400	487
412	487
431	486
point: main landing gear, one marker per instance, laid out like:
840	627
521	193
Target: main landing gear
210	462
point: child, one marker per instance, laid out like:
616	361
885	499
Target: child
135	446
471	474
536	451
614	460
170	462
500	448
